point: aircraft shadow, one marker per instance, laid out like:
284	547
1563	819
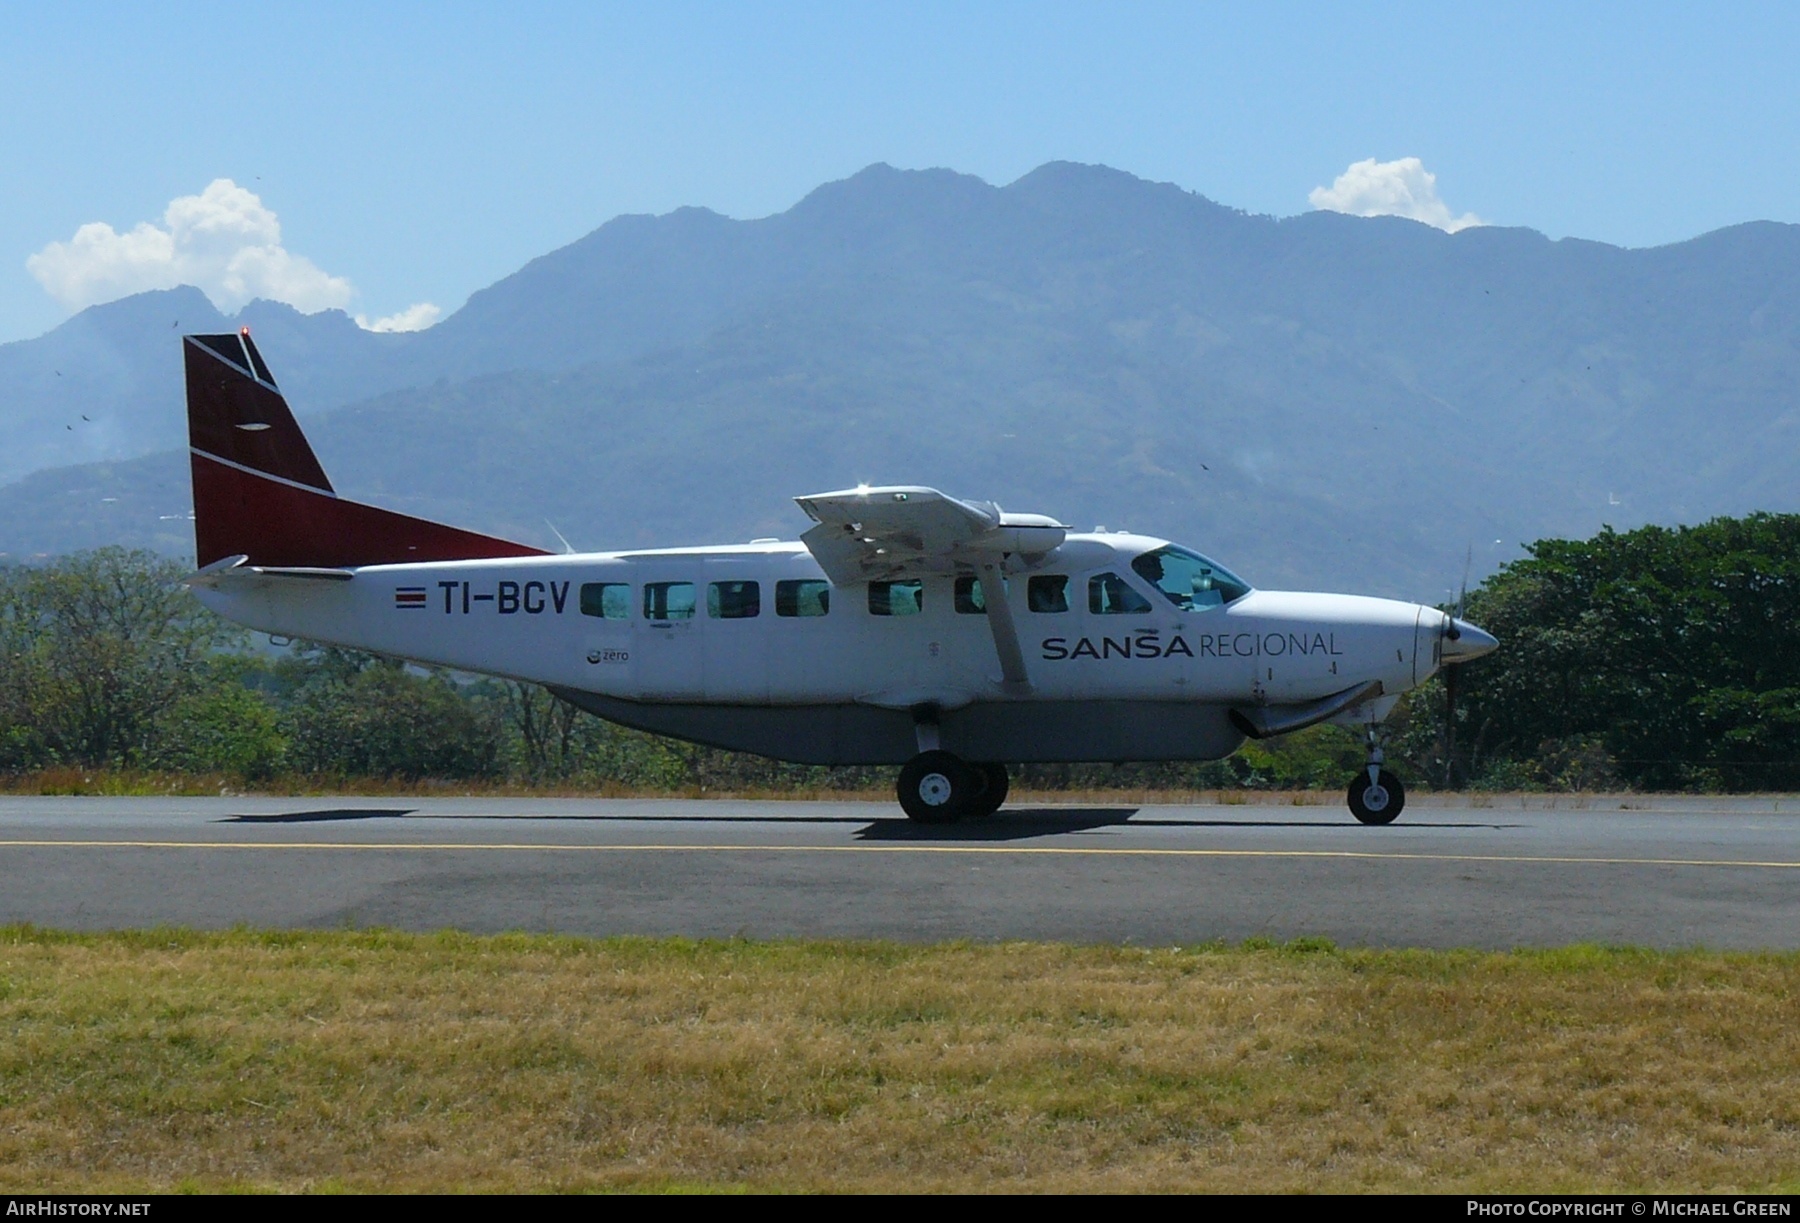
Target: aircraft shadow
642	818
320	817
1011	824
1021	823
1346	822
1014	825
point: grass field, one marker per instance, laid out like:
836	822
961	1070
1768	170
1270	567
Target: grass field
170	1060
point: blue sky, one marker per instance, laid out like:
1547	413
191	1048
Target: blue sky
415	153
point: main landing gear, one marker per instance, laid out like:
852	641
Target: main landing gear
1376	795
937	787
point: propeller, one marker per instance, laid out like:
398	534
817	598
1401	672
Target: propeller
1452	631
1458	640
1453	626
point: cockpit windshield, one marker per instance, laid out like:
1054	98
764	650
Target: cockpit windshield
1191	582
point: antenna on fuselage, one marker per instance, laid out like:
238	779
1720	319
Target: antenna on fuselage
567	547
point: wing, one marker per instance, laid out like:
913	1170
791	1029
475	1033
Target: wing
870	534
866	534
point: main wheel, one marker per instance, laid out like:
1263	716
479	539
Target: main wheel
994	784
936	788
1378	802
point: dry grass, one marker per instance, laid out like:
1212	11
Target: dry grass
385	1061
143	783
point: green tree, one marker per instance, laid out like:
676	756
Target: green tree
96	649
224	727
357	715
1668	657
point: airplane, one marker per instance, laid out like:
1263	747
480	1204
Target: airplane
904	626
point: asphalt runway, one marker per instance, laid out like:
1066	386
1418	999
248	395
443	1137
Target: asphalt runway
1669	873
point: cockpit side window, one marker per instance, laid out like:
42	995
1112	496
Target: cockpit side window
1110	595
1190	581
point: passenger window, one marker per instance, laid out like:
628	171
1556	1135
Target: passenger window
668	600
969	599
802	598
1108	595
733	600
1047	592
608	600
896	598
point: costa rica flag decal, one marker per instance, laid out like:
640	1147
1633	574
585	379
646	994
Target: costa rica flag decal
410	597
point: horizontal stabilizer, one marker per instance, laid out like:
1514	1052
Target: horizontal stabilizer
235	569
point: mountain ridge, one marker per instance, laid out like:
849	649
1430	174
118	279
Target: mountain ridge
1321	399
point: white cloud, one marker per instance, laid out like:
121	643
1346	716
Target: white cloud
223	241
1403	188
416	317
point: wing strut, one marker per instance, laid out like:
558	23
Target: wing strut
1006	633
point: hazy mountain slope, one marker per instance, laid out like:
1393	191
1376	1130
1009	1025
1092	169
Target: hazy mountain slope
1323	400
107	384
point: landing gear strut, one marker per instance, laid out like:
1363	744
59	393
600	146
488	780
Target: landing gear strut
937	787
1376	795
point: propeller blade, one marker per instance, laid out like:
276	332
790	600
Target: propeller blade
1462	596
1453	624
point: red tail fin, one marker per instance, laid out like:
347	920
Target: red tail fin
259	490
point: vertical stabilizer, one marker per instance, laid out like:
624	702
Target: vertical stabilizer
236	416
259	490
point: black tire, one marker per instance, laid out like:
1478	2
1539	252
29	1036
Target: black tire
936	788
1377	805
994	784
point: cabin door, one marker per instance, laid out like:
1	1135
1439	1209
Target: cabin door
666	655
735	634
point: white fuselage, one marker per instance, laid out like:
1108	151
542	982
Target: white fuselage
524	619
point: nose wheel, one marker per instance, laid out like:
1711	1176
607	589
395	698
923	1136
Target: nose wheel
1376	795
937	787
1377	800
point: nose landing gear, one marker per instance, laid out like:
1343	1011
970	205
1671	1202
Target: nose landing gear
1376	795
